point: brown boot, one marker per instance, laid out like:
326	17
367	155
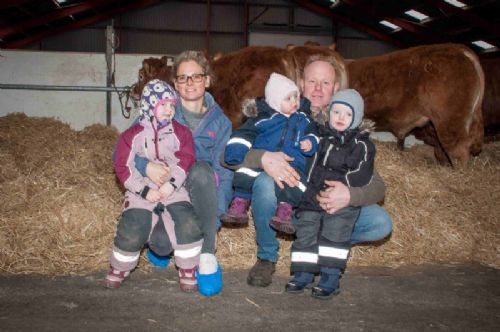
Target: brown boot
261	274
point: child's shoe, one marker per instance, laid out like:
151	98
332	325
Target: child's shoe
328	285
114	278
299	282
209	275
187	280
282	221
157	260
238	212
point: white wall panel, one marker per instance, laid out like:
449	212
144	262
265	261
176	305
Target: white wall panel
79	109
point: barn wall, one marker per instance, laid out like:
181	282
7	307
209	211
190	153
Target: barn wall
79	109
353	44
174	26
282	40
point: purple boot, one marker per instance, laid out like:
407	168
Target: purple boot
237	213
282	221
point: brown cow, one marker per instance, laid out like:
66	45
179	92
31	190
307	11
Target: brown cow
152	68
436	87
243	74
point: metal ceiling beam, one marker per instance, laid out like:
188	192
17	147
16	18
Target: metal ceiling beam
80	23
53	16
347	21
421	33
467	16
11	3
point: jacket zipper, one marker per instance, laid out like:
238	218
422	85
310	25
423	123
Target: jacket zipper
282	139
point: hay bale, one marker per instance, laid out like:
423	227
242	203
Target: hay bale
59	204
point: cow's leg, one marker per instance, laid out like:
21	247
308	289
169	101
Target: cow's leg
441	155
454	143
401	144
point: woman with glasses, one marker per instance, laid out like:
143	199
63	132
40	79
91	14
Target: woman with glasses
208	183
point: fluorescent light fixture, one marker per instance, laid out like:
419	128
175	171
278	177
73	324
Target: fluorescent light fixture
484	45
456	3
390	25
416	14
334	3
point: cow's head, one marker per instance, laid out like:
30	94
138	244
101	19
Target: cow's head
152	68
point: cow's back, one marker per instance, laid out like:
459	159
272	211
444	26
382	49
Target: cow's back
243	74
407	89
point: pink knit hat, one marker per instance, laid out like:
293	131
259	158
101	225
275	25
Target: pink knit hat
277	88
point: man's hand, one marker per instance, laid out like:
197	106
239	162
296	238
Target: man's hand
153	195
167	189
158	173
277	166
335	197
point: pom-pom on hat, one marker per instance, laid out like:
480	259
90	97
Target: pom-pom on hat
277	88
352	99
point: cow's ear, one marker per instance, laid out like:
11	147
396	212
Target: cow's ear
147	68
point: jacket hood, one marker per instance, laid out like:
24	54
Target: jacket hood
154	92
249	106
352	99
364	129
277	88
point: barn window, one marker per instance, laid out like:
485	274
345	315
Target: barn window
417	15
484	45
388	24
456	3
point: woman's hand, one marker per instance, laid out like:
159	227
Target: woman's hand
158	173
335	197
166	190
277	166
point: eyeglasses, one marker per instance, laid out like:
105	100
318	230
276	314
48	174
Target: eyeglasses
196	78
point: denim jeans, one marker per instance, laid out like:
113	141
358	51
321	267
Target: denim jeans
200	184
373	224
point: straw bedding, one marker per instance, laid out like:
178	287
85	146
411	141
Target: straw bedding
59	204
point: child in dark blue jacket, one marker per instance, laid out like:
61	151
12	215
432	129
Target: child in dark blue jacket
278	126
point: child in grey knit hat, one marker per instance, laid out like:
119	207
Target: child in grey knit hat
345	154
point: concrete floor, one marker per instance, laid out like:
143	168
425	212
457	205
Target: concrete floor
416	298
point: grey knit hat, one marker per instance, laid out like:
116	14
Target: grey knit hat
352	99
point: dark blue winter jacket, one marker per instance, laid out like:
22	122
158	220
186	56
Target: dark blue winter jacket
273	131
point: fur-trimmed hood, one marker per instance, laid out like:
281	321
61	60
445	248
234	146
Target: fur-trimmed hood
249	109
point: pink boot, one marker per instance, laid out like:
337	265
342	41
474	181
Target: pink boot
115	278
282	221
238	212
187	280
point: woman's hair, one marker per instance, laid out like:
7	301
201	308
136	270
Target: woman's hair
338	66
199	58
